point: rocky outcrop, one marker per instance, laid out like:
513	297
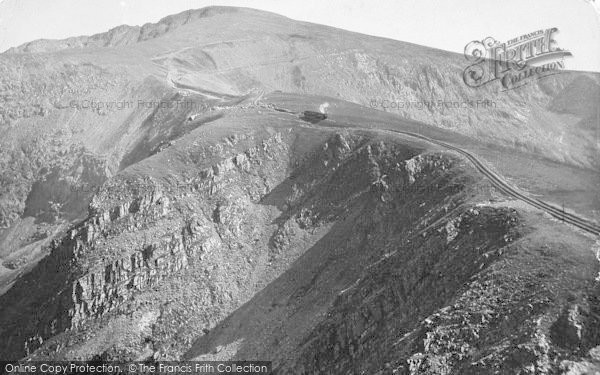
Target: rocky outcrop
90	285
567	331
353	255
85	290
369	244
367	323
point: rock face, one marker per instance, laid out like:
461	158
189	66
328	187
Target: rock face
116	106
368	322
568	329
227	224
91	284
358	254
101	263
89	293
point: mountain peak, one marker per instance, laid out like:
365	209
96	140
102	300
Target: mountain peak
123	35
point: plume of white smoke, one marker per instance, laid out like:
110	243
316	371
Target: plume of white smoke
323	107
596	249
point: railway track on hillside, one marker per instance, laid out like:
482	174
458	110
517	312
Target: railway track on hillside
498	182
503	186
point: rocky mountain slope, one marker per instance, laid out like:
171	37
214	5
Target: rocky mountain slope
96	96
322	250
162	199
122	35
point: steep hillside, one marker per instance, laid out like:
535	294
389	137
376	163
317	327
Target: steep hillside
325	251
233	51
122	35
164	196
95	93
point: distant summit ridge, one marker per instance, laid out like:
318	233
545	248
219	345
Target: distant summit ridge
126	35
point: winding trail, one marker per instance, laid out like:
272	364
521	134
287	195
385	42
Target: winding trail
497	181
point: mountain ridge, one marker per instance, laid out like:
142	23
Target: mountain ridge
123	35
178	198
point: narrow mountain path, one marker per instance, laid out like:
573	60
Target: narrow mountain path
496	180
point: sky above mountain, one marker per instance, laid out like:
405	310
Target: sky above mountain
445	25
